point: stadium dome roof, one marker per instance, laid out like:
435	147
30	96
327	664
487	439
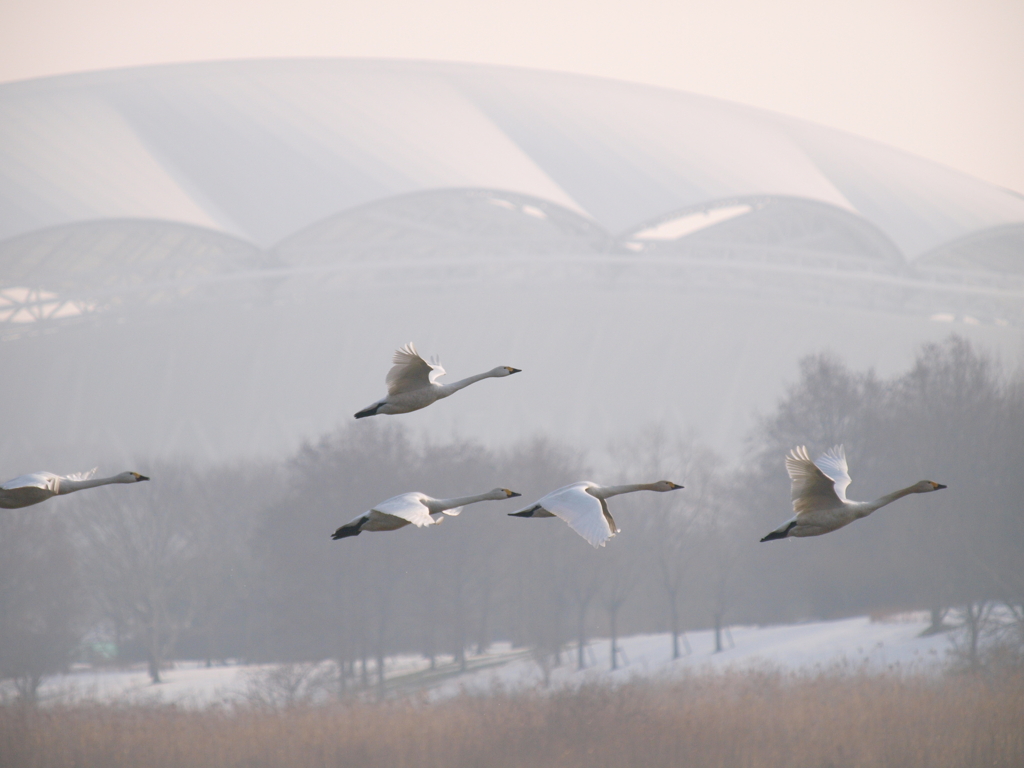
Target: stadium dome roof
217	259
261	150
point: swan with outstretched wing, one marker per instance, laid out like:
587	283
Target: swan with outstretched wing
582	505
819	495
413	509
412	383
26	490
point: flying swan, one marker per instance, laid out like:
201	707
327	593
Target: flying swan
412	383
31	489
583	507
819	495
416	508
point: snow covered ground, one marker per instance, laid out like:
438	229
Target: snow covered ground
849	645
846	646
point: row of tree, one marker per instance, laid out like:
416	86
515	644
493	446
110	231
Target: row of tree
237	561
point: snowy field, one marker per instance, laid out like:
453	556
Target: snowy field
850	645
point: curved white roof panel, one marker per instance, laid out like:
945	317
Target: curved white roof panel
262	149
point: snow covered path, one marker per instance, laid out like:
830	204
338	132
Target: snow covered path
848	645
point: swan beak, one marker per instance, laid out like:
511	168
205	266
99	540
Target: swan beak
139	478
939	486
514	370
512	494
675	487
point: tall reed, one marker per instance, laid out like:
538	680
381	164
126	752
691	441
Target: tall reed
748	720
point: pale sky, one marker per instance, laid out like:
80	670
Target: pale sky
943	79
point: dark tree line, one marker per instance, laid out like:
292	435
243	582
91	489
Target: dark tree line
237	562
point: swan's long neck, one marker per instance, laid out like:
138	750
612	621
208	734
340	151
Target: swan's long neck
614	490
870	506
70	486
439	505
455	386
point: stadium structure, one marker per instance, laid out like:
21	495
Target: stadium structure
216	260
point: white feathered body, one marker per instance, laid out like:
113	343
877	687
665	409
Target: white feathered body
412	384
413	508
407	402
31	489
402	510
579	508
583	507
821	521
818	490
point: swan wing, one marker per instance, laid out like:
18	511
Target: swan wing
812	489
833	464
584	513
409	507
83	475
42	480
410	371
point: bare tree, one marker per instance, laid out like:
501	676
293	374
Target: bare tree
141	558
40	599
227	508
975	620
289	685
538	558
668	524
582	581
719	546
624	573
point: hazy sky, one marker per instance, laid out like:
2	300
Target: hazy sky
941	78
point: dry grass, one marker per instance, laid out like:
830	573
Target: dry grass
734	721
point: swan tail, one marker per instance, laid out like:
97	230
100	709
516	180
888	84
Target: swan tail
351	529
371	411
780	533
526	512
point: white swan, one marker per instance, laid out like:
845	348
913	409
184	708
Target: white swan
412	383
416	508
31	489
582	506
819	495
